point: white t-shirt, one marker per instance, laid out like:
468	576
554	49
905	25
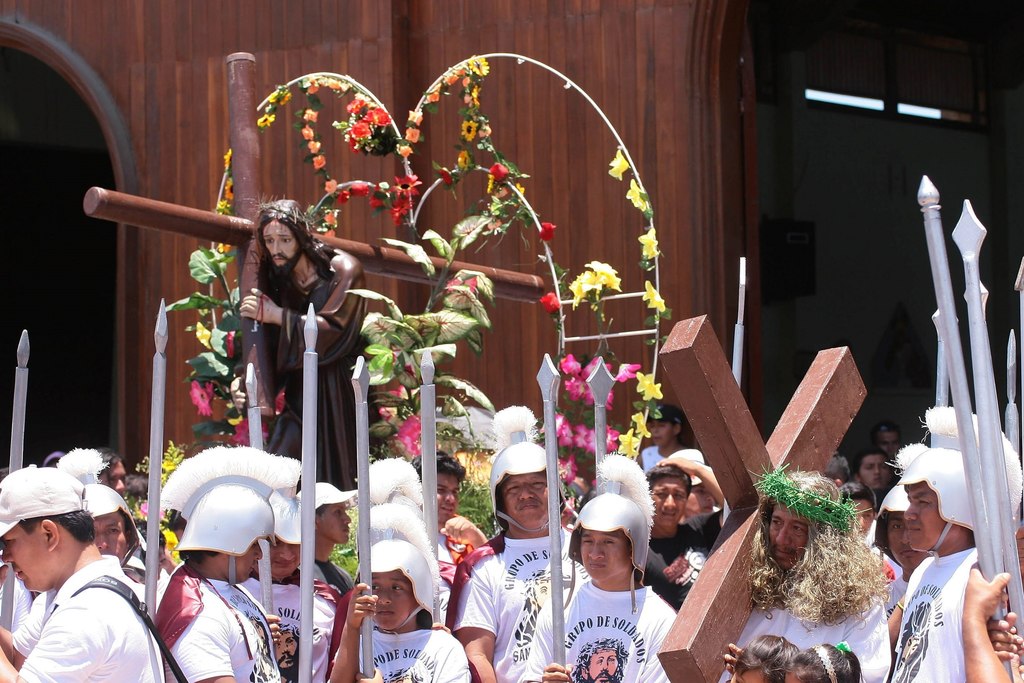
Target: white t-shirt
931	645
421	656
603	636
287	605
230	637
649	457
22	603
505	595
93	636
867	636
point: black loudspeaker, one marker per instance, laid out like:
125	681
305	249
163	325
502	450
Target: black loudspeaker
787	259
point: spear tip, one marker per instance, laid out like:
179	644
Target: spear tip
360	379
743	271
160	332
427	367
309	329
1019	284
969	233
927	193
547	377
600	382
23	349
250	379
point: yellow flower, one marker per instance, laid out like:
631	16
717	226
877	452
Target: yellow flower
227	159
469	129
479	66
585	282
203	335
223	207
490	183
522	190
224	248
652	297
464	160
474	95
637	196
265	121
640	425
171	538
628	443
618	166
234	421
650	242
605	275
647	387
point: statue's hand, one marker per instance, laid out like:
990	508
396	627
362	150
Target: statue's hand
258	306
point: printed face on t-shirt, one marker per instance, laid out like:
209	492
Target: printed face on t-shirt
395	601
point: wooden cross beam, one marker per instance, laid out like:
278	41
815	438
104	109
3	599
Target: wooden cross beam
814	422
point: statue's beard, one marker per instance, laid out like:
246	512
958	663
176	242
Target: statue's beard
281	273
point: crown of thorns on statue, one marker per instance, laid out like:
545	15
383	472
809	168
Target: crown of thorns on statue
838	514
287	211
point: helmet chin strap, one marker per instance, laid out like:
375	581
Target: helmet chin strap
519	526
232	570
412	615
934	552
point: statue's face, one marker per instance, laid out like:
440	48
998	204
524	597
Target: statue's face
280	243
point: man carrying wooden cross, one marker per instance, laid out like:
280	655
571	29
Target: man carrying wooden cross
299	269
813	580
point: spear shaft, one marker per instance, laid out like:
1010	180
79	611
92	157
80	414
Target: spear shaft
156	457
255	425
428	458
307	512
737	339
17	458
601	383
548	380
361	387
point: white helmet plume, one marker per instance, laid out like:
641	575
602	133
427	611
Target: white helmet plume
223	465
622	475
909	454
394	480
512	425
84	464
398	522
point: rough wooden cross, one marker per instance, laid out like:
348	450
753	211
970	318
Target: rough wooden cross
239	230
817	417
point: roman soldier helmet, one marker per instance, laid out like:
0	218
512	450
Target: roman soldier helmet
400	542
223	493
287	516
625	505
514	431
85	465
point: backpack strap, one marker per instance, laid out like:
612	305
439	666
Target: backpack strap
122	589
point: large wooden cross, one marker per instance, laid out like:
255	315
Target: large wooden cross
817	417
239	230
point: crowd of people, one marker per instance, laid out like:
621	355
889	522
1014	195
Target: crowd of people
865	571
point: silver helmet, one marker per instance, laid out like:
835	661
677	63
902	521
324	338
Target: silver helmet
400	542
85	465
514	431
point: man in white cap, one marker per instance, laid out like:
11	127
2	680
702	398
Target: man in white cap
332	529
88	634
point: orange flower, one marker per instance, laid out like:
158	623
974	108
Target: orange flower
451	78
485	131
404	151
333	84
331	186
330	218
309	115
313	86
307	133
433	96
319	161
412	135
313	146
416	117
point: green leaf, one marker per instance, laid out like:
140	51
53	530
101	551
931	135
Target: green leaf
203	266
393	308
197	301
380	329
381	368
475	341
416	252
382	430
230	322
453	325
427	328
209	365
377	349
484	285
453	408
468	230
440	244
218	340
212	428
438	352
465	387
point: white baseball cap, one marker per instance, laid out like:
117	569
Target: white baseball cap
329	494
38	492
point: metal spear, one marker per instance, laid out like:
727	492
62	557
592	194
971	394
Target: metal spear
601	383
989	555
547	378
156	457
968	236
361	387
1011	418
428	457
17	458
737	339
941	372
255	422
1019	286
307	512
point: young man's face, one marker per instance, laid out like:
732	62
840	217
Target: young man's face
447	498
608	559
923	522
110	534
873	472
865	515
670	495
332	523
664	434
895	531
284	559
28	554
788	533
113	477
395	601
888	441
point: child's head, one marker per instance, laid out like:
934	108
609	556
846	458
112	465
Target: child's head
668	429
824	664
764	660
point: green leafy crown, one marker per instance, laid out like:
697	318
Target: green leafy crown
838	514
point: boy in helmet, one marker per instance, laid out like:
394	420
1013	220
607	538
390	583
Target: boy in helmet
501	587
614	626
939	521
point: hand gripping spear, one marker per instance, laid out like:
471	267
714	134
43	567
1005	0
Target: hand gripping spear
601	383
17	457
255	421
547	378
307	512
156	457
968	236
361	386
428	456
989	554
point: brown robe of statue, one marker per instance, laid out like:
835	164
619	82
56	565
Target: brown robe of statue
339	321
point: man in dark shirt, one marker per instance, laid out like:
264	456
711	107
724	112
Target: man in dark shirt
332	529
678	548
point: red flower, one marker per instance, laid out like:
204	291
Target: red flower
376	202
547	231
446	176
550	302
359	189
400	207
378	117
499	171
344	196
407	186
360	131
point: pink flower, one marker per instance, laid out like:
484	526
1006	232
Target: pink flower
627	371
576	388
409	435
201	396
568	469
611	397
564	431
570	365
583	438
590	367
613	440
